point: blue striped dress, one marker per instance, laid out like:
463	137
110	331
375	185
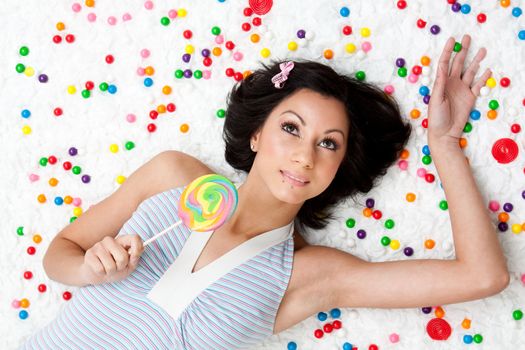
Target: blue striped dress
238	310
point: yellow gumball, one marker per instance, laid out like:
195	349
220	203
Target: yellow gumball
265	52
77	211
350	48
71	89
394	244
29	71
182	13
113	148
26	129
120	179
292	46
365	32
516	228
491	83
189	49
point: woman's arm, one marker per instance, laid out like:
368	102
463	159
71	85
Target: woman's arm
64	258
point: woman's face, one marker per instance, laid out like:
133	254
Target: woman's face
305	138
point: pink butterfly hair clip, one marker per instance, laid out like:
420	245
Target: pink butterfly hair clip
279	78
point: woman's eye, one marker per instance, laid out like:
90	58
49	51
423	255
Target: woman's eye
288	127
332	144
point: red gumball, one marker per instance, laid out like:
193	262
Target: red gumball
89	85
337	324
429	178
377	214
421	23
424	123
28	275
515	128
110	59
153	114
482	18
67	165
438	329
328	328
70	38
207	61
247	12
401	4
31	250
187	34
57	39
57	111
229	45
246	26
238	76
230	72
504	82
318	333
52	160
152	127
66	295
170	107
417	70
347	30
42	288
256	21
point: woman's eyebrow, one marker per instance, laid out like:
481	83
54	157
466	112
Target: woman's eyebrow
304	124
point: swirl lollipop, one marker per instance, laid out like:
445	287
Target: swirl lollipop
205	204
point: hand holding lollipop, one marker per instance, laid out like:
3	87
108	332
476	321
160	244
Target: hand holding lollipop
205	205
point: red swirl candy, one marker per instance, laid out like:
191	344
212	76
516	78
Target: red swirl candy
505	150
438	329
261	7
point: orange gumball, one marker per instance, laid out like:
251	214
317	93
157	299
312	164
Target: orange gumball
149	70
37	238
217	51
24	303
404	154
68	199
429	243
439	312
90	3
492	114
254	38
161	108
503	217
41	198
184	128
166	90
53	182
328	54
410	197
462	142
505	3
425	60
367	212
466	323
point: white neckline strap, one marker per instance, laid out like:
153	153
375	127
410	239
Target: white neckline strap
178	287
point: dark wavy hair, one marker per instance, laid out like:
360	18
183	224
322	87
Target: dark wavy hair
378	132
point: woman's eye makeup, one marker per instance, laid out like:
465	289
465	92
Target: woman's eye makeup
287	125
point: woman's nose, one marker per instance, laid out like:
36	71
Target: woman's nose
305	156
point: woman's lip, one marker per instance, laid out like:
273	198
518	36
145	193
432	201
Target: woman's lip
293	179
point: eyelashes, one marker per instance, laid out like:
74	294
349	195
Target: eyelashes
285	124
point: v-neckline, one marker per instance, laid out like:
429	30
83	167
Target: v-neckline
204	238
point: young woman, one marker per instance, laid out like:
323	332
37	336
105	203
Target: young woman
307	137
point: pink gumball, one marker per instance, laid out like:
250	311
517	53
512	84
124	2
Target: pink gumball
91	17
172	14
394	337
76	7
131	118
15	303
140	71
523	278
402	164
148	5
112	20
237	56
366	46
219	39
494	206
421	172
33	177
206	74
126	17
389	89
412	78
144	53
77	202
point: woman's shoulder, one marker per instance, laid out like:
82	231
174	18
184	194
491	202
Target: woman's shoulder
175	169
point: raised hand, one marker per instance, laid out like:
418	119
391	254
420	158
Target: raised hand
454	94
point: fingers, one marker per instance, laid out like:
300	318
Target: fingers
471	71
481	82
133	244
442	72
459	59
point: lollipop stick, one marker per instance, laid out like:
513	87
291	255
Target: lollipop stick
161	233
